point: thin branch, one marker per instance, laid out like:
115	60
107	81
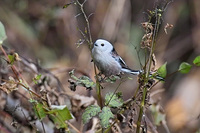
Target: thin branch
87	22
16	72
19	83
155	33
73	127
84	36
90	15
115	91
90	42
12	67
78	15
39	118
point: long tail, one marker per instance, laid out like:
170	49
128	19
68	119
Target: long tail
137	72
157	77
134	72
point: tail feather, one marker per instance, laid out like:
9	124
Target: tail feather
134	72
137	72
158	77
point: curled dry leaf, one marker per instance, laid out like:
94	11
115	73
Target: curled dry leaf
9	85
154	62
168	26
147	26
79	103
147	38
16	56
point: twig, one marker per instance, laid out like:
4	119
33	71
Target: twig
155	32
16	73
75	129
27	119
39	118
19	83
90	15
115	91
141	110
78	15
12	67
87	22
90	42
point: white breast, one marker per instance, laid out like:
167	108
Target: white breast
106	63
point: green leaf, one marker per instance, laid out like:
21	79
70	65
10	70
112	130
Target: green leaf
2	33
184	67
32	100
112	79
162	71
113	100
86	82
90	112
11	59
59	114
105	116
82	81
36	78
39	110
197	61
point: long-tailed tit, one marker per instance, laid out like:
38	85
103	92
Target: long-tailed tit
108	61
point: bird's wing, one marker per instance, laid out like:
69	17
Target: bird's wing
124	68
118	58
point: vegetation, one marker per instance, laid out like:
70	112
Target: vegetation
36	99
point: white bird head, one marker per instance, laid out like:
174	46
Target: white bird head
102	46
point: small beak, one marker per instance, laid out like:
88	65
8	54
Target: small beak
95	44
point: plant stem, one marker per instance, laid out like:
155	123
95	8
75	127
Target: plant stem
155	32
32	92
141	110
73	127
87	22
12	67
34	104
90	42
17	75
98	88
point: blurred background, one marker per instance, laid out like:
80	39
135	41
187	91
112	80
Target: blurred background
44	32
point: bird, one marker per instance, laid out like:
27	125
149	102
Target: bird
108	61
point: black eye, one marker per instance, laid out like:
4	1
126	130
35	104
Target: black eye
102	44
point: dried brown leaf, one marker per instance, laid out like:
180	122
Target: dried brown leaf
168	26
79	103
9	85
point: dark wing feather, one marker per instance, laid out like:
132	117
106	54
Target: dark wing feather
118	58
